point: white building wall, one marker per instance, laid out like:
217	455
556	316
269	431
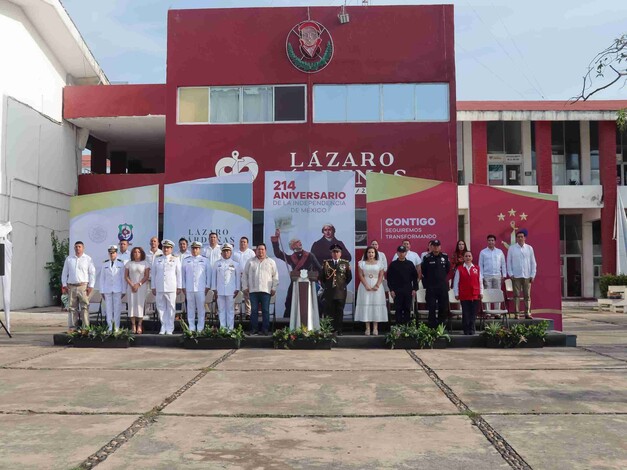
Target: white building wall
38	154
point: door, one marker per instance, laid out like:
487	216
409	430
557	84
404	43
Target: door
571	275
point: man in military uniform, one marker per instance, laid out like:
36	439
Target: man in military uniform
112	286
166	284
225	282
435	268
196	277
336	275
299	259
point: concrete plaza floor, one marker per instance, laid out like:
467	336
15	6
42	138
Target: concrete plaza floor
157	408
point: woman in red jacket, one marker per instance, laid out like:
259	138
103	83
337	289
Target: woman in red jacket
468	289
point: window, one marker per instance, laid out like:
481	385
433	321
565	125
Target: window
565	148
248	104
460	153
595	173
404	102
505	137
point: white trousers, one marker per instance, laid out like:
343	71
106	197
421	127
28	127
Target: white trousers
113	309
166	305
226	311
196	310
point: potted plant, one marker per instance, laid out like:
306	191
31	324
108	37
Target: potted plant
302	338
212	337
519	335
101	337
411	336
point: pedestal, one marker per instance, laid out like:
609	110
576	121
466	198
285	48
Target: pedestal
304	309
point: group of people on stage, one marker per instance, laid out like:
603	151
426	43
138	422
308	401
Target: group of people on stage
436	272
227	272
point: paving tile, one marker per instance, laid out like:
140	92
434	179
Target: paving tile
449	442
313	393
539	391
55	441
566	442
13	353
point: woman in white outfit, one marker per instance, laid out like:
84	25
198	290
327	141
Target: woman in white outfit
371	305
137	275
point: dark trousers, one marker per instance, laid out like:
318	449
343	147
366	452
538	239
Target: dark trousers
257	299
437	298
334	308
469	315
402	305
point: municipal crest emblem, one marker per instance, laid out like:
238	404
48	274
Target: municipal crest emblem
125	232
309	46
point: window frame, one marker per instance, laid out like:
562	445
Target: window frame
241	105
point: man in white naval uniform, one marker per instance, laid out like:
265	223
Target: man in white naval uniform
225	282
212	252
196	281
112	286
124	254
166	284
153	252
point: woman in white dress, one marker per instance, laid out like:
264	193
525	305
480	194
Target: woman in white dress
137	274
370	296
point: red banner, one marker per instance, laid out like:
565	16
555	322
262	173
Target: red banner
501	212
416	209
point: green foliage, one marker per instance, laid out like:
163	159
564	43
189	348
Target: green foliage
60	251
310	66
101	333
621	120
213	332
424	336
611	280
517	334
284	337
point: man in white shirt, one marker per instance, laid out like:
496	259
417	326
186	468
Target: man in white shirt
225	282
124	254
112	286
213	252
166	284
492	265
153	251
242	256
77	280
196	278
182	253
259	282
411	255
521	267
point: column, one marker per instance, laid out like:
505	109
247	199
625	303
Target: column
607	163
527	167
584	132
544	164
479	152
467	149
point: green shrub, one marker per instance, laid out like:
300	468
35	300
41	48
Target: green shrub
60	251
611	280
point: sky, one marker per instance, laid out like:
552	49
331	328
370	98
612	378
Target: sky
505	50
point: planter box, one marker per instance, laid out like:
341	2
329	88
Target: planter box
211	343
406	343
493	343
96	343
532	343
324	344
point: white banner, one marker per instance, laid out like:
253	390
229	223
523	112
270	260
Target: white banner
301	205
103	219
194	209
621	236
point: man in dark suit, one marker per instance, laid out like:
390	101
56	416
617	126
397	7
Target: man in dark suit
336	275
321	247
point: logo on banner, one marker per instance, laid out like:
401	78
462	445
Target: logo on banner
97	233
309	46
125	232
513	221
235	165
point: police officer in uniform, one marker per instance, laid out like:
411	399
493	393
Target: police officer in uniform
435	268
112	286
166	284
225	282
196	279
336	275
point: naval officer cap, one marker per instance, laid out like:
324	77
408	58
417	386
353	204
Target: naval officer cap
196	244
112	248
227	246
335	247
166	242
